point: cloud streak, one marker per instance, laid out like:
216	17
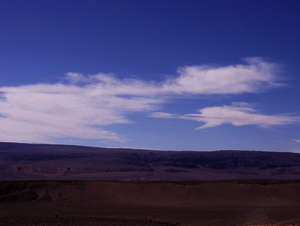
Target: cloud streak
237	114
84	105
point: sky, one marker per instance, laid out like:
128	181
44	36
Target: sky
161	74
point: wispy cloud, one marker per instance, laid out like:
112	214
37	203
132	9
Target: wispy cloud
237	114
83	105
163	115
297	140
42	112
253	76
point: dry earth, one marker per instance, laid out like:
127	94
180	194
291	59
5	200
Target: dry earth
149	203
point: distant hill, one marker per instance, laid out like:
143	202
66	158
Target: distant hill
65	162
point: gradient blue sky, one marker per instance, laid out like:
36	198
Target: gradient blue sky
148	74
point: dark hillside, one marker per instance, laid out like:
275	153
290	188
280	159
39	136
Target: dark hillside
42	161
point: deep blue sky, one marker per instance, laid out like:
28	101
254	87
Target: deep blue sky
148	41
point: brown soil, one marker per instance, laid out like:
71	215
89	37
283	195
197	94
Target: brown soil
149	203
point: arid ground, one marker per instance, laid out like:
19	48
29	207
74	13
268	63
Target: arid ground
43	185
149	203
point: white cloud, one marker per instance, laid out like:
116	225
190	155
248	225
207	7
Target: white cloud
74	77
163	115
237	114
42	112
297	140
253	76
84	105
